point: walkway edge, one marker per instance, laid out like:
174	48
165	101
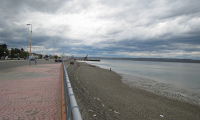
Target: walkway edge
63	113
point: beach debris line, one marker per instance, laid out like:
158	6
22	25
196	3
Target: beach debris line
161	115
116	112
97	98
90	111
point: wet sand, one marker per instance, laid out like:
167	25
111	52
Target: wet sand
101	95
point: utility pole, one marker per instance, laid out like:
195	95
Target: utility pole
30	44
53	48
27	42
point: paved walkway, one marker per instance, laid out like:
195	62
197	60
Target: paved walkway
31	92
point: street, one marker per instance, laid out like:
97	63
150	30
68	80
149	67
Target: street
7	64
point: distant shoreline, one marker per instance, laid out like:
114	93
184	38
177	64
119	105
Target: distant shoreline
151	59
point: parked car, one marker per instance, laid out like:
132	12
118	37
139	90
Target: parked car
47	58
33	59
58	60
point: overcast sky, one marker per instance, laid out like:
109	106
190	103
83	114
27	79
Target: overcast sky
103	28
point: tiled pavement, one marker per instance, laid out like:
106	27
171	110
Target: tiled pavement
31	92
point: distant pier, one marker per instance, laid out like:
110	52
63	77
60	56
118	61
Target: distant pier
87	59
93	60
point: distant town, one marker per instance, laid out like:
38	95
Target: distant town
16	53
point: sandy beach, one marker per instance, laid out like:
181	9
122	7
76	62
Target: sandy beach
101	95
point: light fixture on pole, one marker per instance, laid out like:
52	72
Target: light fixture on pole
4	55
30	45
53	48
27	43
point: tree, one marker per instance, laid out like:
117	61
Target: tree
12	52
22	49
23	54
55	56
46	56
3	46
2	50
17	51
40	56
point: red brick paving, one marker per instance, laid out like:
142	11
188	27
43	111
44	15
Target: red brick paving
34	98
44	70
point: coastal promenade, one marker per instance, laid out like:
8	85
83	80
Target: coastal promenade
31	92
34	93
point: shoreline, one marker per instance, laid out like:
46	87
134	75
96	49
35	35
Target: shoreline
101	94
154	59
162	89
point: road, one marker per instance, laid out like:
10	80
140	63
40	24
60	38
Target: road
7	64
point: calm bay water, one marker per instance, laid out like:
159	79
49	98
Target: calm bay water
171	78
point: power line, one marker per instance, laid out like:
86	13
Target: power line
8	13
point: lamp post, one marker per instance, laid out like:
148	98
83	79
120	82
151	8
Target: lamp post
4	55
30	45
27	43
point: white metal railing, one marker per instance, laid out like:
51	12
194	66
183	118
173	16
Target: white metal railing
71	107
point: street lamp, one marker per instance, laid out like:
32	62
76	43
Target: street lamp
27	43
30	44
4	55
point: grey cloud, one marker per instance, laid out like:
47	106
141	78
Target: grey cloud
48	6
129	28
178	8
74	7
114	32
150	10
150	45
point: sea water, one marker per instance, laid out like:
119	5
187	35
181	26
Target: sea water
175	80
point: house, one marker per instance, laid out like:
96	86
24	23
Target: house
9	52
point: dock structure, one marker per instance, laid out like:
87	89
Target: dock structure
93	60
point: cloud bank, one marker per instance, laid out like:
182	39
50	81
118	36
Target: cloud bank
114	28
